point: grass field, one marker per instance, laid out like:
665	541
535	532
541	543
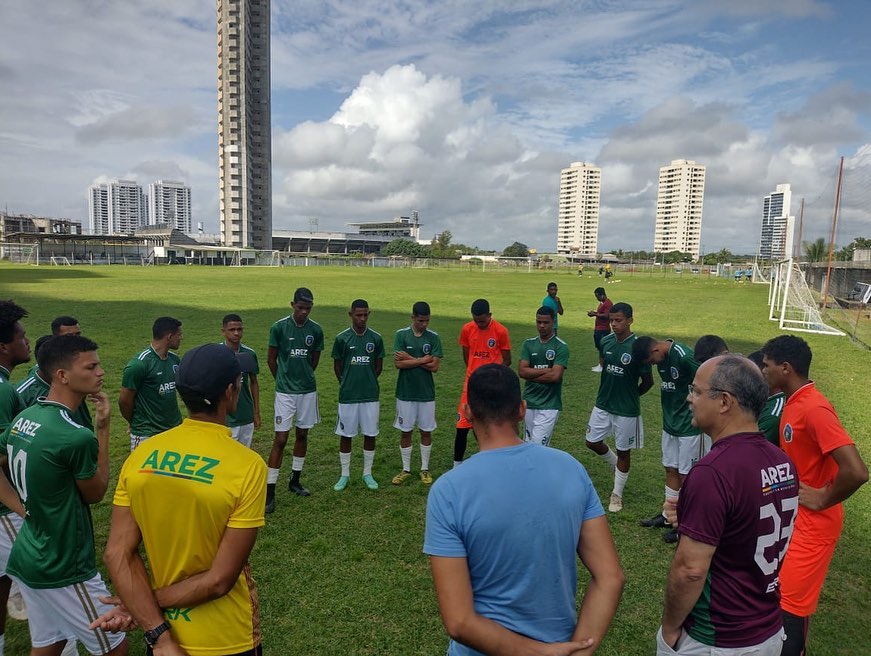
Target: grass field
344	573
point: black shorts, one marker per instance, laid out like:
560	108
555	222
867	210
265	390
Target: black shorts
598	336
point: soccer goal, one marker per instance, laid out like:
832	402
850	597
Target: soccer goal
20	253
759	277
791	302
60	260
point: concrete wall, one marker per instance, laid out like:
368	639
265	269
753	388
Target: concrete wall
844	276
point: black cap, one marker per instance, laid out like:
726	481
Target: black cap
208	369
303	294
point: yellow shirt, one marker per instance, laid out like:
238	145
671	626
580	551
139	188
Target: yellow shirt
184	487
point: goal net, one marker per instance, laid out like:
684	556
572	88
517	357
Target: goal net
59	261
791	303
20	253
760	277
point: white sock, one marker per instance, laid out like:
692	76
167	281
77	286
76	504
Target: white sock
425	451
620	479
345	460
298	463
457	463
368	459
671	494
610	457
405	454
271	476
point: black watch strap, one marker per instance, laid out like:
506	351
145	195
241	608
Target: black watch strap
152	635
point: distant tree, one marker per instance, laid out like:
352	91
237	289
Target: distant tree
516	250
846	253
675	257
816	251
405	248
442	248
722	256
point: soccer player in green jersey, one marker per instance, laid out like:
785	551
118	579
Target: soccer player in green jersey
358	355
683	444
295	346
246	418
147	398
58	468
417	351
14	350
543	361
769	420
65	325
618	404
554	303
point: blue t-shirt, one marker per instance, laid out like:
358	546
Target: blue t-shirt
515	514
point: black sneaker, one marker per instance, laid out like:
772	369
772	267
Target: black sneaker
270	505
656	522
670	537
297	488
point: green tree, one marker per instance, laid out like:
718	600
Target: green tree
722	256
516	250
675	257
405	248
846	253
442	248
816	251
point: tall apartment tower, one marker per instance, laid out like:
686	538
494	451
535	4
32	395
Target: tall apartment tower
578	221
169	203
775	242
118	207
679	208
244	129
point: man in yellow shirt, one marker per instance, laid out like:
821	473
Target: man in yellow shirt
195	498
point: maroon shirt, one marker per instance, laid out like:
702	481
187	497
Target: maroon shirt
741	498
603	323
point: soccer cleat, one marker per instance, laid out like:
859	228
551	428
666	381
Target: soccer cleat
401	477
671	537
15	606
656	522
297	488
615	504
425	477
270	505
597	369
342	483
370	482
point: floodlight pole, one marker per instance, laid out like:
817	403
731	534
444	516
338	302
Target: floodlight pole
832	239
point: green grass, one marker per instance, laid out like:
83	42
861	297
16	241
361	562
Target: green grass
344	573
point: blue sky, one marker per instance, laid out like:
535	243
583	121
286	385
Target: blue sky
463	111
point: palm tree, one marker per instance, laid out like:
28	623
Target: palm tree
816	251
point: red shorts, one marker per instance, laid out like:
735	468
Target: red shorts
803	573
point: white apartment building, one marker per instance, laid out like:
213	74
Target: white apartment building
244	129
578	216
169	204
775	241
679	208
118	207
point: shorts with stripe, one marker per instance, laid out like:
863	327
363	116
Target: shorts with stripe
243	434
415	413
136	440
682	453
303	407
539	425
356	418
10	524
56	614
628	432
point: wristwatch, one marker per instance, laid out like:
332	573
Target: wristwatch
152	635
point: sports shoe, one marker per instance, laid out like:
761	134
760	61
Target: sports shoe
370	482
425	477
671	537
656	522
15	605
597	369
342	483
615	504
297	488
401	477
270	505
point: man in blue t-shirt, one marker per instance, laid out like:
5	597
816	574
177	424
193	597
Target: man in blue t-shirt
504	532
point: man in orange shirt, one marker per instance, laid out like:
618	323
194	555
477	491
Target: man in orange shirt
830	470
484	341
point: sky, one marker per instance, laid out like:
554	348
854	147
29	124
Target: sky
464	111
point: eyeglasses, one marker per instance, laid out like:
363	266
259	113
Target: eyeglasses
695	390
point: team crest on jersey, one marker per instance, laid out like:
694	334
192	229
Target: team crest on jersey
675	373
550	354
626	358
370	347
175	369
787	433
426	349
309	340
491	342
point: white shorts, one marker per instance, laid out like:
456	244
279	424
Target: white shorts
539	425
356	418
415	413
136	440
682	453
10	525
687	646
302	406
243	434
628	432
56	614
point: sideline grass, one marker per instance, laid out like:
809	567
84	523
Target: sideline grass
343	573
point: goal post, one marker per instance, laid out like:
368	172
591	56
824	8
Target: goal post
20	253
60	260
791	303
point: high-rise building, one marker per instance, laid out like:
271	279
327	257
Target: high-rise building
244	130
578	218
118	207
679	208
775	241
169	203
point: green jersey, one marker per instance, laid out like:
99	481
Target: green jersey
295	344
618	386
33	388
416	384
10	405
544	355
677	372
550	302
245	406
358	354
48	452
156	407
769	420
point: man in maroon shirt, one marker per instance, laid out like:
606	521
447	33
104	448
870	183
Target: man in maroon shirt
737	509
603	326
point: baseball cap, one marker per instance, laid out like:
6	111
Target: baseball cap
303	294
208	369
